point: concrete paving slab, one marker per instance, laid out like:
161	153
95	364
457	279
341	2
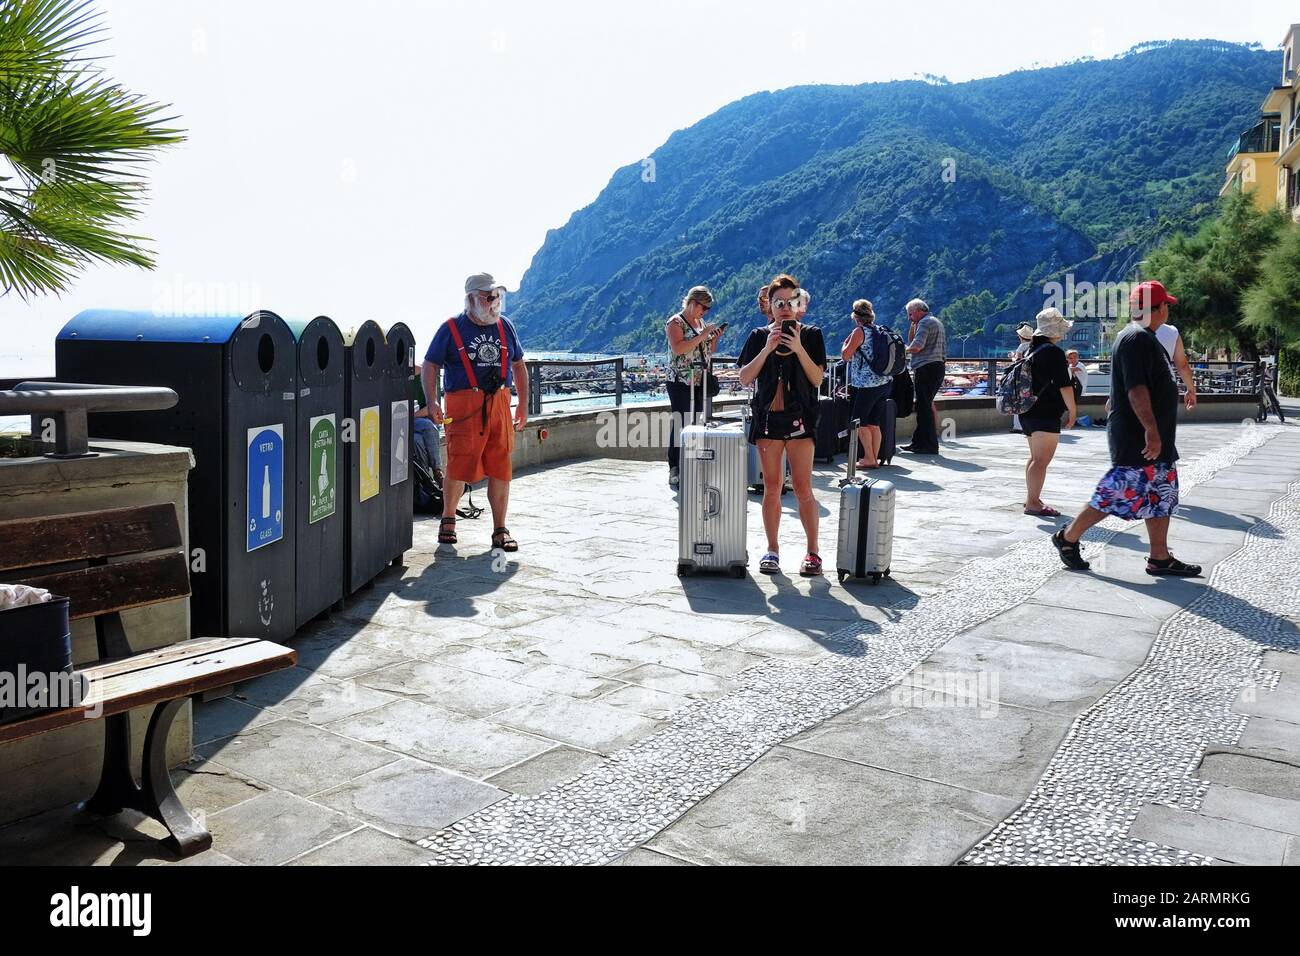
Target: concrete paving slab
365	847
465	745
1209	836
590	725
550	769
205	787
1280	704
568	682
1256	809
462	691
274	828
226	716
799	808
1259	773
655	704
294	756
643	857
1287	663
1127	640
1036	676
410	799
962	741
673	681
1271	737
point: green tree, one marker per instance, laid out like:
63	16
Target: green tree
1271	307
1210	271
966	316
73	145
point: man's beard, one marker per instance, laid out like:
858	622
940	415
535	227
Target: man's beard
485	314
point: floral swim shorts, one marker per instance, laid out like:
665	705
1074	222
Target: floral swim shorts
1136	494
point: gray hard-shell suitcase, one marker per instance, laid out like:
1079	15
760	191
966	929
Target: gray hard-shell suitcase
866	538
712	501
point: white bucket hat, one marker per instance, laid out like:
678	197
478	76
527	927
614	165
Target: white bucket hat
1052	324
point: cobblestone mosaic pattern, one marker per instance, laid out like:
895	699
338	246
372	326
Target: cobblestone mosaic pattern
629	798
1140	743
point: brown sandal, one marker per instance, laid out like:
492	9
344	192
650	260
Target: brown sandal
501	539
447	531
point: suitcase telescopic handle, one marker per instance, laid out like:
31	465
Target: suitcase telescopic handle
854	425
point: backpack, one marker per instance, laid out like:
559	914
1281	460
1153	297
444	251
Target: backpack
428	492
904	394
1015	393
888	350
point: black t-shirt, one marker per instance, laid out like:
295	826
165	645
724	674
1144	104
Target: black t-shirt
1139	359
1051	373
777	367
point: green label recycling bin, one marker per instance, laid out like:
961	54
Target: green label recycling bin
322	517
401	497
365	453
237	381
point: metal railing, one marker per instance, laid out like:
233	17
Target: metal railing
63	407
574	388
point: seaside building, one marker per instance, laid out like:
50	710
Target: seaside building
1284	100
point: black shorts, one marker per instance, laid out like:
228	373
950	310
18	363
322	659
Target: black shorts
869	404
1030	425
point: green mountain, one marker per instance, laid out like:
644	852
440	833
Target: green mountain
970	195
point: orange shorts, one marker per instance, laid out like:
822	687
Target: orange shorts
475	449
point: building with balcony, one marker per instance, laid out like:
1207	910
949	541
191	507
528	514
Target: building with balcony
1252	162
1285	101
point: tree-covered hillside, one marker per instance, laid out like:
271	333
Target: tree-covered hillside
970	194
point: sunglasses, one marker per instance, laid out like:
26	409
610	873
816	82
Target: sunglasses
785	303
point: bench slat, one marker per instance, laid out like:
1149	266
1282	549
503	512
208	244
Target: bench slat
230	661
55	539
118	587
101	670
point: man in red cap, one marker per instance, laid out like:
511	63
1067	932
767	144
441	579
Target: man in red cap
1143	480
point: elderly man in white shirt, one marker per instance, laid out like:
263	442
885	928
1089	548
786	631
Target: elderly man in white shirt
1077	370
1172	340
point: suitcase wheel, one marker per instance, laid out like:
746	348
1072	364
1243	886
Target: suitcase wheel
739	571
875	578
843	575
683	570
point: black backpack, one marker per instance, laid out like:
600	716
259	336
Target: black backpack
428	490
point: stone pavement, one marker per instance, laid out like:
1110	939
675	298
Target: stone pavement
581	703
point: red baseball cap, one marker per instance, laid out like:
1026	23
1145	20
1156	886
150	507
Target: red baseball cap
1149	295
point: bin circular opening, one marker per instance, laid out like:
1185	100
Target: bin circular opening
322	353
401	353
266	354
370	353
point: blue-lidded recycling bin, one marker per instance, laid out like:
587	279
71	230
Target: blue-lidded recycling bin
322	515
237	382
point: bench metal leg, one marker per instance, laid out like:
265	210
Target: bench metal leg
156	797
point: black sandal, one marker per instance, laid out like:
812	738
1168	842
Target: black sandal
1173	568
501	539
447	531
1069	552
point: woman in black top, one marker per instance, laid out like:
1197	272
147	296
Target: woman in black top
1054	386
787	360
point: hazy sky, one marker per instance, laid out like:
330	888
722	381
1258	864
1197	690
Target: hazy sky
359	159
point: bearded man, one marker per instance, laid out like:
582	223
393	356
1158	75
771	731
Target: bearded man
480	356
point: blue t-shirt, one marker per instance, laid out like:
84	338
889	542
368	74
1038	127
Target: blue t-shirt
482	343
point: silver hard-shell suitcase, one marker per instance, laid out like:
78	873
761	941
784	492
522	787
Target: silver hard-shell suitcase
866	539
711	497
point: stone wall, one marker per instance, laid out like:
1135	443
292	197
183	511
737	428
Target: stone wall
62	767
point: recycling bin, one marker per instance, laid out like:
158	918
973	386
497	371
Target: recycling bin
321	516
401	494
365	453
237	382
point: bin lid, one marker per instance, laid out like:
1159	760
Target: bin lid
123	325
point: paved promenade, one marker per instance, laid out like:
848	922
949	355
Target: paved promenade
580	703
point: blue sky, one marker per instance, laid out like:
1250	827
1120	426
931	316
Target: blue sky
360	159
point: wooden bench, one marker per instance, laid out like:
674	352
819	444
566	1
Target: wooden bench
68	555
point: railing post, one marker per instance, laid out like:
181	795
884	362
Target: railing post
618	381
534	388
993	376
